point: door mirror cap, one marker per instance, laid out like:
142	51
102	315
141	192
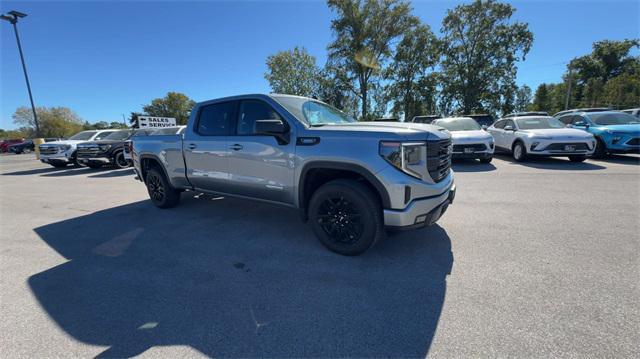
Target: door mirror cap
484	127
270	127
509	128
275	128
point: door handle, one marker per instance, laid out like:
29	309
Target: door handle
192	146
236	147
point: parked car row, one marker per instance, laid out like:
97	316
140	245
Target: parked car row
351	181
96	148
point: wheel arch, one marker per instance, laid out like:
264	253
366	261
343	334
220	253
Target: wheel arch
148	161
315	174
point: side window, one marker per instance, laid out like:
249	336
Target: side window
499	124
102	135
509	123
566	119
250	112
215	120
578	120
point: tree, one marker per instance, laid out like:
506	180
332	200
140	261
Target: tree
293	72
118	125
622	91
363	34
523	98
54	121
480	49
174	104
413	89
133	119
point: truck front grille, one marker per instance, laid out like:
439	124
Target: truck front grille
439	159
49	150
88	151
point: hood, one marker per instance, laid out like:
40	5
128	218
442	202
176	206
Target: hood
632	128
399	129
103	142
565	133
62	142
468	136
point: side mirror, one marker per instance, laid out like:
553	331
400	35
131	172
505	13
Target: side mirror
484	127
271	127
509	128
568	125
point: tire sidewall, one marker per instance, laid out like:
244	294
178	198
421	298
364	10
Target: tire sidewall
365	206
523	152
115	160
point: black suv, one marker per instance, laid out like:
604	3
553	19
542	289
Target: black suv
107	151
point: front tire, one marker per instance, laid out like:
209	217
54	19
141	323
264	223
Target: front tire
346	217
121	162
519	152
577	158
601	149
161	193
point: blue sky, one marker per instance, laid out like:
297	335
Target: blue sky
105	59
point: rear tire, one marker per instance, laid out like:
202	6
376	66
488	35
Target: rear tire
346	217
601	149
161	193
519	152
577	158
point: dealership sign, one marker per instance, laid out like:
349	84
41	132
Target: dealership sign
148	121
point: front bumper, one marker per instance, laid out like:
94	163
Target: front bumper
420	212
62	157
551	148
101	160
623	144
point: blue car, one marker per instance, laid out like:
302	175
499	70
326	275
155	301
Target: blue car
615	131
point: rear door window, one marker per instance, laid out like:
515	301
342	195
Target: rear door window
216	119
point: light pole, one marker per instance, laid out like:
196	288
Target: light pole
12	17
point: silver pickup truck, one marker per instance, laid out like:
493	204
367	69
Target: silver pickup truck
349	179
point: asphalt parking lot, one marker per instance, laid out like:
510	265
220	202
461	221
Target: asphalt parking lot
533	260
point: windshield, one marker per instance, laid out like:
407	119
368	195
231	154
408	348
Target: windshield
538	123
613	118
458	124
312	112
82	136
118	135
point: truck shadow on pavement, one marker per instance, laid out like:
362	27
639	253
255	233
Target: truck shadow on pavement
469	165
233	278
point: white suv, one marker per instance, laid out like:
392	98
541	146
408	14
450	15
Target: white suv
469	139
62	153
537	135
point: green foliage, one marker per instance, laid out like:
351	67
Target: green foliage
174	104
364	31
480	49
608	76
53	121
413	88
524	97
293	72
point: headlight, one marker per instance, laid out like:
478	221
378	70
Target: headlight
104	147
538	137
408	157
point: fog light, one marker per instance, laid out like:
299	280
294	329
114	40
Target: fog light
534	145
421	218
616	140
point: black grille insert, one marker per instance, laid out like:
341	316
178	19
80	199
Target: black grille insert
561	147
634	142
439	159
477	147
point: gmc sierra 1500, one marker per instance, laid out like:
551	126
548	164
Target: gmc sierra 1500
349	179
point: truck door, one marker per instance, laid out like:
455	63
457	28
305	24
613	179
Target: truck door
260	166
205	146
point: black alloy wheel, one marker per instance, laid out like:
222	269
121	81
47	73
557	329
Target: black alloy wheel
340	220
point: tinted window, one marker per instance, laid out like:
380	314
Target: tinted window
102	135
538	123
82	136
619	118
458	124
215	120
119	135
499	124
250	112
566	119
